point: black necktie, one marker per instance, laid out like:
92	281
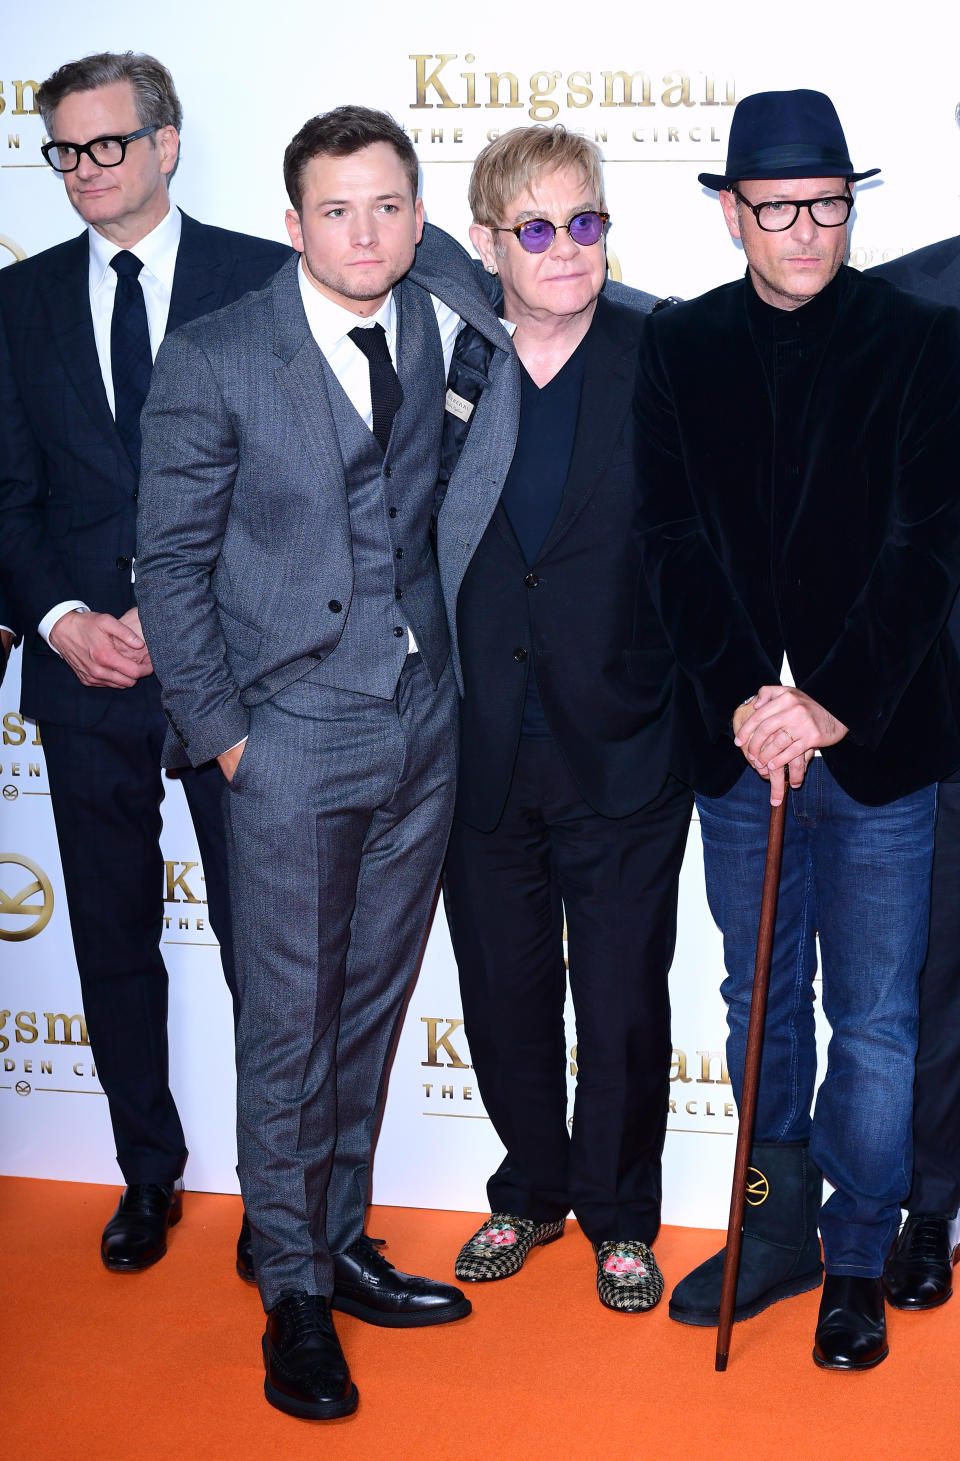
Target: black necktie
130	358
386	394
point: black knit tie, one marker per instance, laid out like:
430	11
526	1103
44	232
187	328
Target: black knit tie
386	394
130	359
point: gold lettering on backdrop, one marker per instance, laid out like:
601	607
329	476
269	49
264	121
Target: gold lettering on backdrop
173	883
14	730
579	93
437	1042
20	87
495	78
677	93
435	86
678	1068
66	1023
424	82
26	1026
609	80
706	1059
544	84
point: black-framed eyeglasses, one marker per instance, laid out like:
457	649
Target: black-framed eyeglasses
104	151
537	234
777	217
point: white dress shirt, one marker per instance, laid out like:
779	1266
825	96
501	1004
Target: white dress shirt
157	252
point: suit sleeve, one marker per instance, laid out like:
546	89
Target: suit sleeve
710	632
892	625
188	468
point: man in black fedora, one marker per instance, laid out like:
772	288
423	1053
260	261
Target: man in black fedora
800	524
919	1269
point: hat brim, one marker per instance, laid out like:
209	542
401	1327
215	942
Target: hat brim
720	182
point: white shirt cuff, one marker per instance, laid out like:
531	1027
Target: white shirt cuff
54	615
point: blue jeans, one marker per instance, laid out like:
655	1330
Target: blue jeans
860	876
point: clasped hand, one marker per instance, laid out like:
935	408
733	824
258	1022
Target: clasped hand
778	730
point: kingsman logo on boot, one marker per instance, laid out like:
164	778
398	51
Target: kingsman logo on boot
758	1188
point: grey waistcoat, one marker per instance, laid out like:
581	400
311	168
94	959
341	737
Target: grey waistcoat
390	500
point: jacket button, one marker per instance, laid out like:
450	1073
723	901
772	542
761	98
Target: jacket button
398	593
335	606
531	580
398	632
136	493
399	553
520	655
123	561
393	512
387	472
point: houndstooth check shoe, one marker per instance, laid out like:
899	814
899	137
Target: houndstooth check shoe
628	1277
500	1247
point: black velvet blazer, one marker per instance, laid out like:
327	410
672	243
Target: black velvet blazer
851	571
582	615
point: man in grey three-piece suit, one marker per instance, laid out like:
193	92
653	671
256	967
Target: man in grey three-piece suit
297	583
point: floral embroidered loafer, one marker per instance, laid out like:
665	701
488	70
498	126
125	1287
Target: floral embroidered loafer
499	1248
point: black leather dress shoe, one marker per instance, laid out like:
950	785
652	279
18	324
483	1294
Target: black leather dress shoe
307	1374
918	1273
136	1235
851	1330
245	1253
366	1285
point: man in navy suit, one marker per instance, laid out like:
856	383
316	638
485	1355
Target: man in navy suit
919	1270
79	325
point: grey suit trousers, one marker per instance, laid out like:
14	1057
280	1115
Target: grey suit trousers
337	822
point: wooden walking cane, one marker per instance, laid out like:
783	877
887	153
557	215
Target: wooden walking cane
751	1077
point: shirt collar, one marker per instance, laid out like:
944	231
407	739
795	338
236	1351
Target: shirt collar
157	251
330	323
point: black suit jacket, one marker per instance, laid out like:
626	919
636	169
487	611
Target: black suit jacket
67	485
934	273
582	616
852	572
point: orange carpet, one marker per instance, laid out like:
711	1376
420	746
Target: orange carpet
166	1364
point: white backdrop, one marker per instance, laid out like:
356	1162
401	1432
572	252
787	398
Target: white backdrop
658	95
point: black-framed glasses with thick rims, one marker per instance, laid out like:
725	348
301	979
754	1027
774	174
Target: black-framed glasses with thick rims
102	151
782	213
537	234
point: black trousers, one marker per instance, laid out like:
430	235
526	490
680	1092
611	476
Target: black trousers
507	893
936	1109
106	787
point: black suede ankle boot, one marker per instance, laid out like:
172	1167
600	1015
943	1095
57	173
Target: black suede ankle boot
781	1249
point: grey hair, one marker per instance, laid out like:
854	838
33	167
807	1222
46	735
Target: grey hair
154	94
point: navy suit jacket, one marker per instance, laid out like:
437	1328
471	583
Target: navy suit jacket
68	488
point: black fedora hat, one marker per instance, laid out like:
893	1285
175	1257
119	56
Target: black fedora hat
785	134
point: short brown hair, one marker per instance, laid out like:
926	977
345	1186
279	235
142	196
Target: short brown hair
514	162
339	133
154	93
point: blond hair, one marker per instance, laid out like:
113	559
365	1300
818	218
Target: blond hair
515	162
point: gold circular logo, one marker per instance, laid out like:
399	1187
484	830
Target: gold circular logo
7	245
758	1188
18	904
22	1088
10	793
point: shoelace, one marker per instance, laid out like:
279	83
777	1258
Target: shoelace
925	1240
304	1316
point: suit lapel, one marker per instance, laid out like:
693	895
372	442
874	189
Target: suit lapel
67	300
299	374
201	276
606	397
